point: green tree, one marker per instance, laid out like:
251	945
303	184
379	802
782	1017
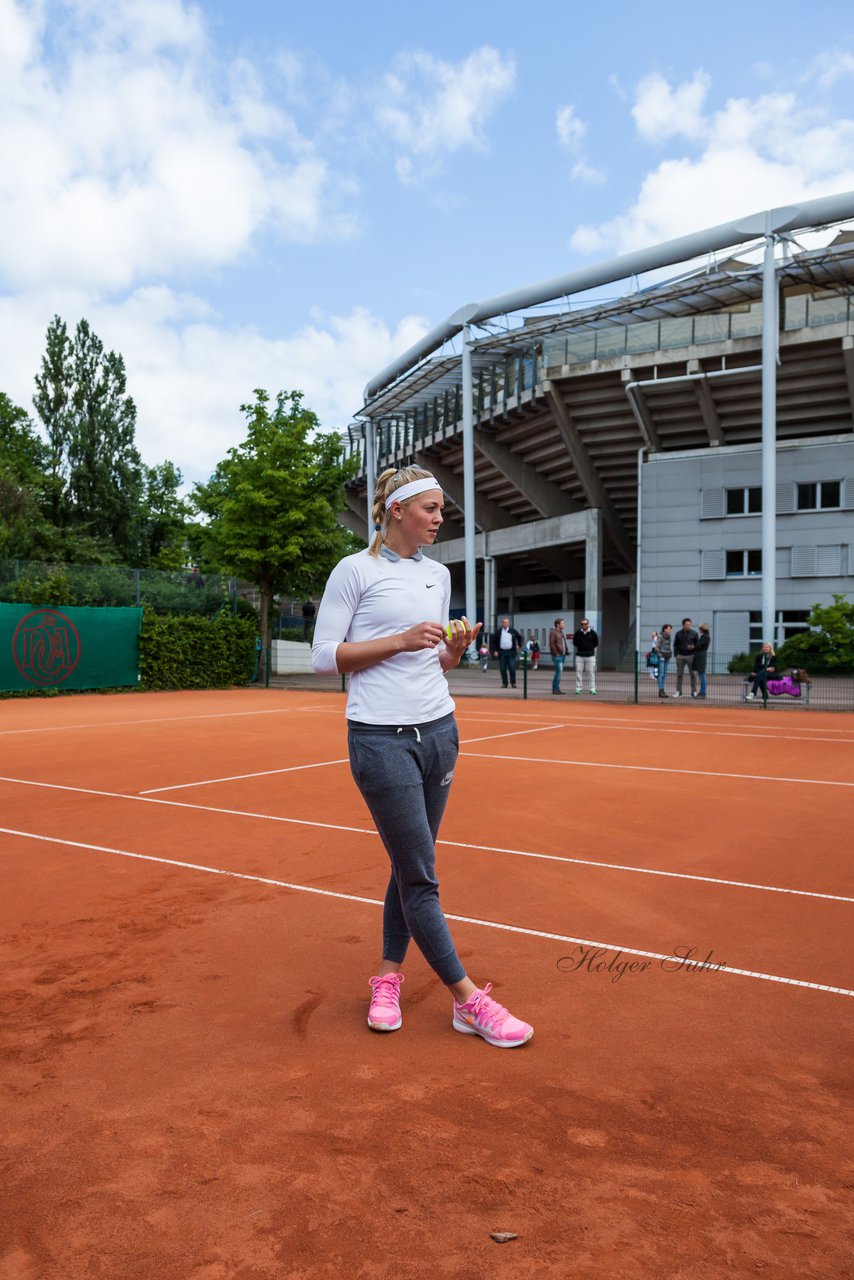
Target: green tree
272	504
96	478
829	641
23	455
51	401
166	516
24	533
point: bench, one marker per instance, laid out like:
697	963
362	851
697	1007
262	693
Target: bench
798	691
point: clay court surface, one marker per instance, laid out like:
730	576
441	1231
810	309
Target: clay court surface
191	913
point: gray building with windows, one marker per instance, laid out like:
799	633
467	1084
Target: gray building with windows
701	550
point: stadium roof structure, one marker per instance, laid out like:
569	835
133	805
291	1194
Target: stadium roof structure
564	401
536	431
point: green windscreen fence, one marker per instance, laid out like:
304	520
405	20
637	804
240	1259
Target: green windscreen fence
68	648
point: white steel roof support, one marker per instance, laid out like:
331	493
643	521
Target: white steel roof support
370	472
468	485
770	355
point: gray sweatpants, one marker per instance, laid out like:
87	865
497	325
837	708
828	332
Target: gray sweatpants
404	775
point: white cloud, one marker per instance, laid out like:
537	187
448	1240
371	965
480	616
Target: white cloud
571	131
128	152
752	154
432	108
189	373
831	67
663	112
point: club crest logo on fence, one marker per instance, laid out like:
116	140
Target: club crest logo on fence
46	647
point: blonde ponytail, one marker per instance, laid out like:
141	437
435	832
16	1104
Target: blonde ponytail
386	484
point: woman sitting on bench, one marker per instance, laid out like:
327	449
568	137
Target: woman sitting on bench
764	668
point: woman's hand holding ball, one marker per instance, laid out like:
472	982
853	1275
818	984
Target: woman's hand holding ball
459	635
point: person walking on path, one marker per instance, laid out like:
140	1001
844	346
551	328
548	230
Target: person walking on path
764	669
684	644
505	645
701	652
384	618
664	649
585	642
558	649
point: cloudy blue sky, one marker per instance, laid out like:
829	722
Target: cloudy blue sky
287	195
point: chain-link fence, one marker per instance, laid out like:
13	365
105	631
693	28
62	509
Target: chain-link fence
634	682
162	591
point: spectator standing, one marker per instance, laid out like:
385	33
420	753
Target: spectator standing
506	643
308	612
558	651
764	669
585	641
684	644
664	649
533	650
700	654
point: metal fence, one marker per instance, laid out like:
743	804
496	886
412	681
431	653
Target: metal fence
627	682
631	681
163	591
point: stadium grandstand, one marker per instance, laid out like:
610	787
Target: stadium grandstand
682	446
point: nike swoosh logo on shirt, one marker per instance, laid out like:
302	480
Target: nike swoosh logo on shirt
428	585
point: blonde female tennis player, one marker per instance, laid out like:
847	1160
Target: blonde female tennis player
384	620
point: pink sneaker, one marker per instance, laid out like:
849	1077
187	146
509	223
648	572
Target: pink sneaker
384	1013
483	1016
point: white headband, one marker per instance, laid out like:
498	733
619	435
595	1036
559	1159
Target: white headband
409	490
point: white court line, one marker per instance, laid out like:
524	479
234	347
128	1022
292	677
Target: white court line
239	777
703	733
517	733
653	768
321	764
376	902
615	721
755	731
111	724
645	871
453	844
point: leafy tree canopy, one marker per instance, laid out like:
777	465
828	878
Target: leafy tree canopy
24	532
830	641
165	518
272	503
96	476
83	494
23	456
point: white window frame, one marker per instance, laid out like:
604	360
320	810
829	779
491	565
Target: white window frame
744	553
744	490
840	506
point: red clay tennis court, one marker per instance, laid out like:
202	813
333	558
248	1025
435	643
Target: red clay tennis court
192	911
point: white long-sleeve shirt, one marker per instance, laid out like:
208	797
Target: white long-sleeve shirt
368	597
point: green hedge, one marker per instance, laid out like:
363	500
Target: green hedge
180	652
